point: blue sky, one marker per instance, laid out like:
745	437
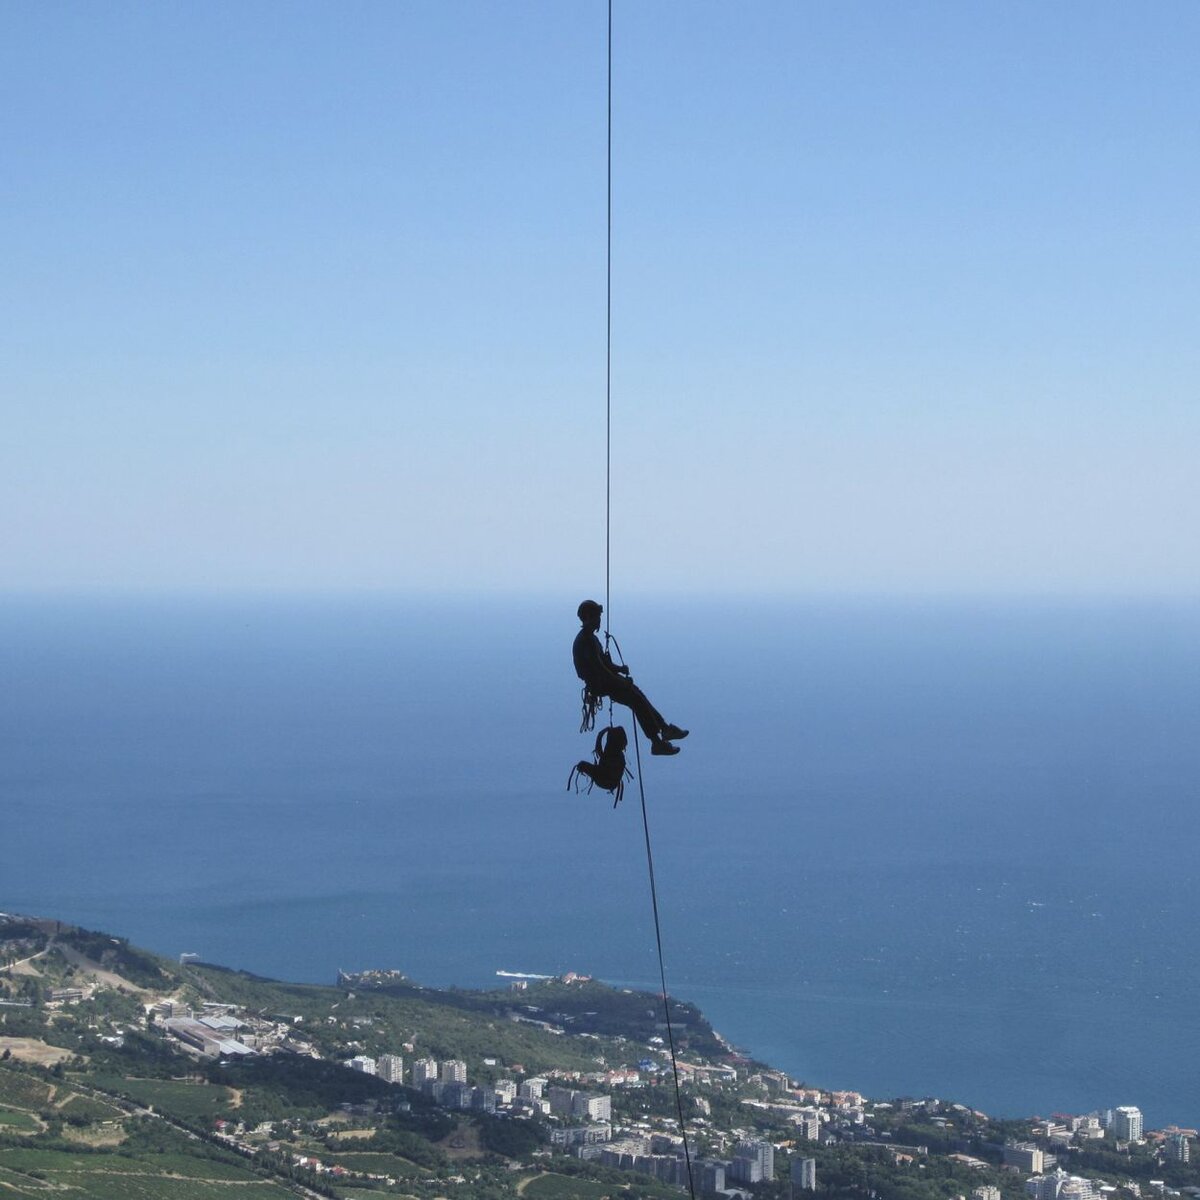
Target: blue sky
310	297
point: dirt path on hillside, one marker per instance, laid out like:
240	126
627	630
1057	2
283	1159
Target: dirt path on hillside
82	963
30	1050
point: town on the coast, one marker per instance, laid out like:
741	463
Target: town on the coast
550	1088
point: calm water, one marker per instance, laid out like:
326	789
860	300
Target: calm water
911	849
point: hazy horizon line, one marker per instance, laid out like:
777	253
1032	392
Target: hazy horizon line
656	596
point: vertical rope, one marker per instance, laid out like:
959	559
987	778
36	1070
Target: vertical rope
608	366
662	972
637	745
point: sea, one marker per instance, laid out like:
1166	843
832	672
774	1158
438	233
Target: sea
912	847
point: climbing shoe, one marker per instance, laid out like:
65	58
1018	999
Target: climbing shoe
673	733
663	748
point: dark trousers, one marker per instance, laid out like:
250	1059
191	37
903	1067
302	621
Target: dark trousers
632	697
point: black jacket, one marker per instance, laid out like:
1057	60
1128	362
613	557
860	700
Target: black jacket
592	662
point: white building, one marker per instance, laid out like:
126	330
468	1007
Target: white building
804	1175
1127	1123
423	1070
454	1070
581	1135
1179	1148
744	1169
988	1191
1061	1186
506	1091
808	1125
533	1088
753	1161
360	1062
1025	1156
390	1068
591	1108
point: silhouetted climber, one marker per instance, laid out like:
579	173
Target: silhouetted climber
608	771
602	677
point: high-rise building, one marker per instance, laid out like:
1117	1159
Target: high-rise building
761	1152
532	1088
454	1070
1025	1156
1075	1187
1058	1185
1043	1187
988	1191
360	1062
506	1091
1179	1148
1127	1123
390	1068
745	1169
804	1174
808	1126
591	1108
423	1070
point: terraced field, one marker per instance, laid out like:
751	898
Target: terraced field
23	1091
374	1164
39	1174
177	1098
15	1121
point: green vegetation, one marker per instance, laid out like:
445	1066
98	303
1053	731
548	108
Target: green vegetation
559	1187
186	1100
19	1087
584	1006
512	1139
132	1115
413	1139
375	1164
441	1024
12	1121
116	1177
580	1182
118	956
77	1108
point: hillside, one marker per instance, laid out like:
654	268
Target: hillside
126	1075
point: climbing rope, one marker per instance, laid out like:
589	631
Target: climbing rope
608	369
662	974
637	745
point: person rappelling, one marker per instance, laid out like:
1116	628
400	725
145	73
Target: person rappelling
604	679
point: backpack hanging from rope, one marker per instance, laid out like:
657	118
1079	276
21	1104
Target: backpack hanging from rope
608	771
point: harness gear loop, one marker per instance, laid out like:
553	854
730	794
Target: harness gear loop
592	704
